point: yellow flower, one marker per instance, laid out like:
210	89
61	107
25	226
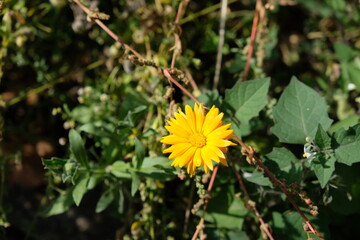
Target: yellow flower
197	139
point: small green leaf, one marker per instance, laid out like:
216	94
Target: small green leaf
104	201
348	150
77	148
297	114
322	139
80	189
135	182
69	171
120	169
246	99
140	152
55	165
323	167
59	205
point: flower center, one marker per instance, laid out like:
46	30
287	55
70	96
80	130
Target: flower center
197	140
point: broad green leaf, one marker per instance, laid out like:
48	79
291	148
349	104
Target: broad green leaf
289	225
297	114
120	169
225	210
135	182
323	167
140	152
348	141
80	189
56	165
257	177
246	99
77	148
60	204
346	123
322	139
284	165
104	201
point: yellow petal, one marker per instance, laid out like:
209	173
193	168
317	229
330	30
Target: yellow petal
211	123
187	156
219	135
223	161
179	149
206	157
190	117
173	139
197	158
199	116
177	131
220	143
183	122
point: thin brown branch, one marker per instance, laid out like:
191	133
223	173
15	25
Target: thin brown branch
224	4
177	32
250	205
276	182
168	76
107	30
200	225
252	38
191	80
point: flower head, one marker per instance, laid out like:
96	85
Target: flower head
197	139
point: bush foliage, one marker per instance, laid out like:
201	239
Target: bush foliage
92	112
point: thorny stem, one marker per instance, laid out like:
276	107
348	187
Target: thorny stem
200	226
108	31
251	206
221	43
278	183
252	39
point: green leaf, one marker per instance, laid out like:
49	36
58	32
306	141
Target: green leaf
55	165
70	170
348	150
140	152
246	99
322	139
289	225
104	201
225	210
284	165
80	189
323	167
120	169
297	114
135	182
59	205
257	177
343	52
346	123
77	148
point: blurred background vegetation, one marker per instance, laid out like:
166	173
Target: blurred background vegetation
59	71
